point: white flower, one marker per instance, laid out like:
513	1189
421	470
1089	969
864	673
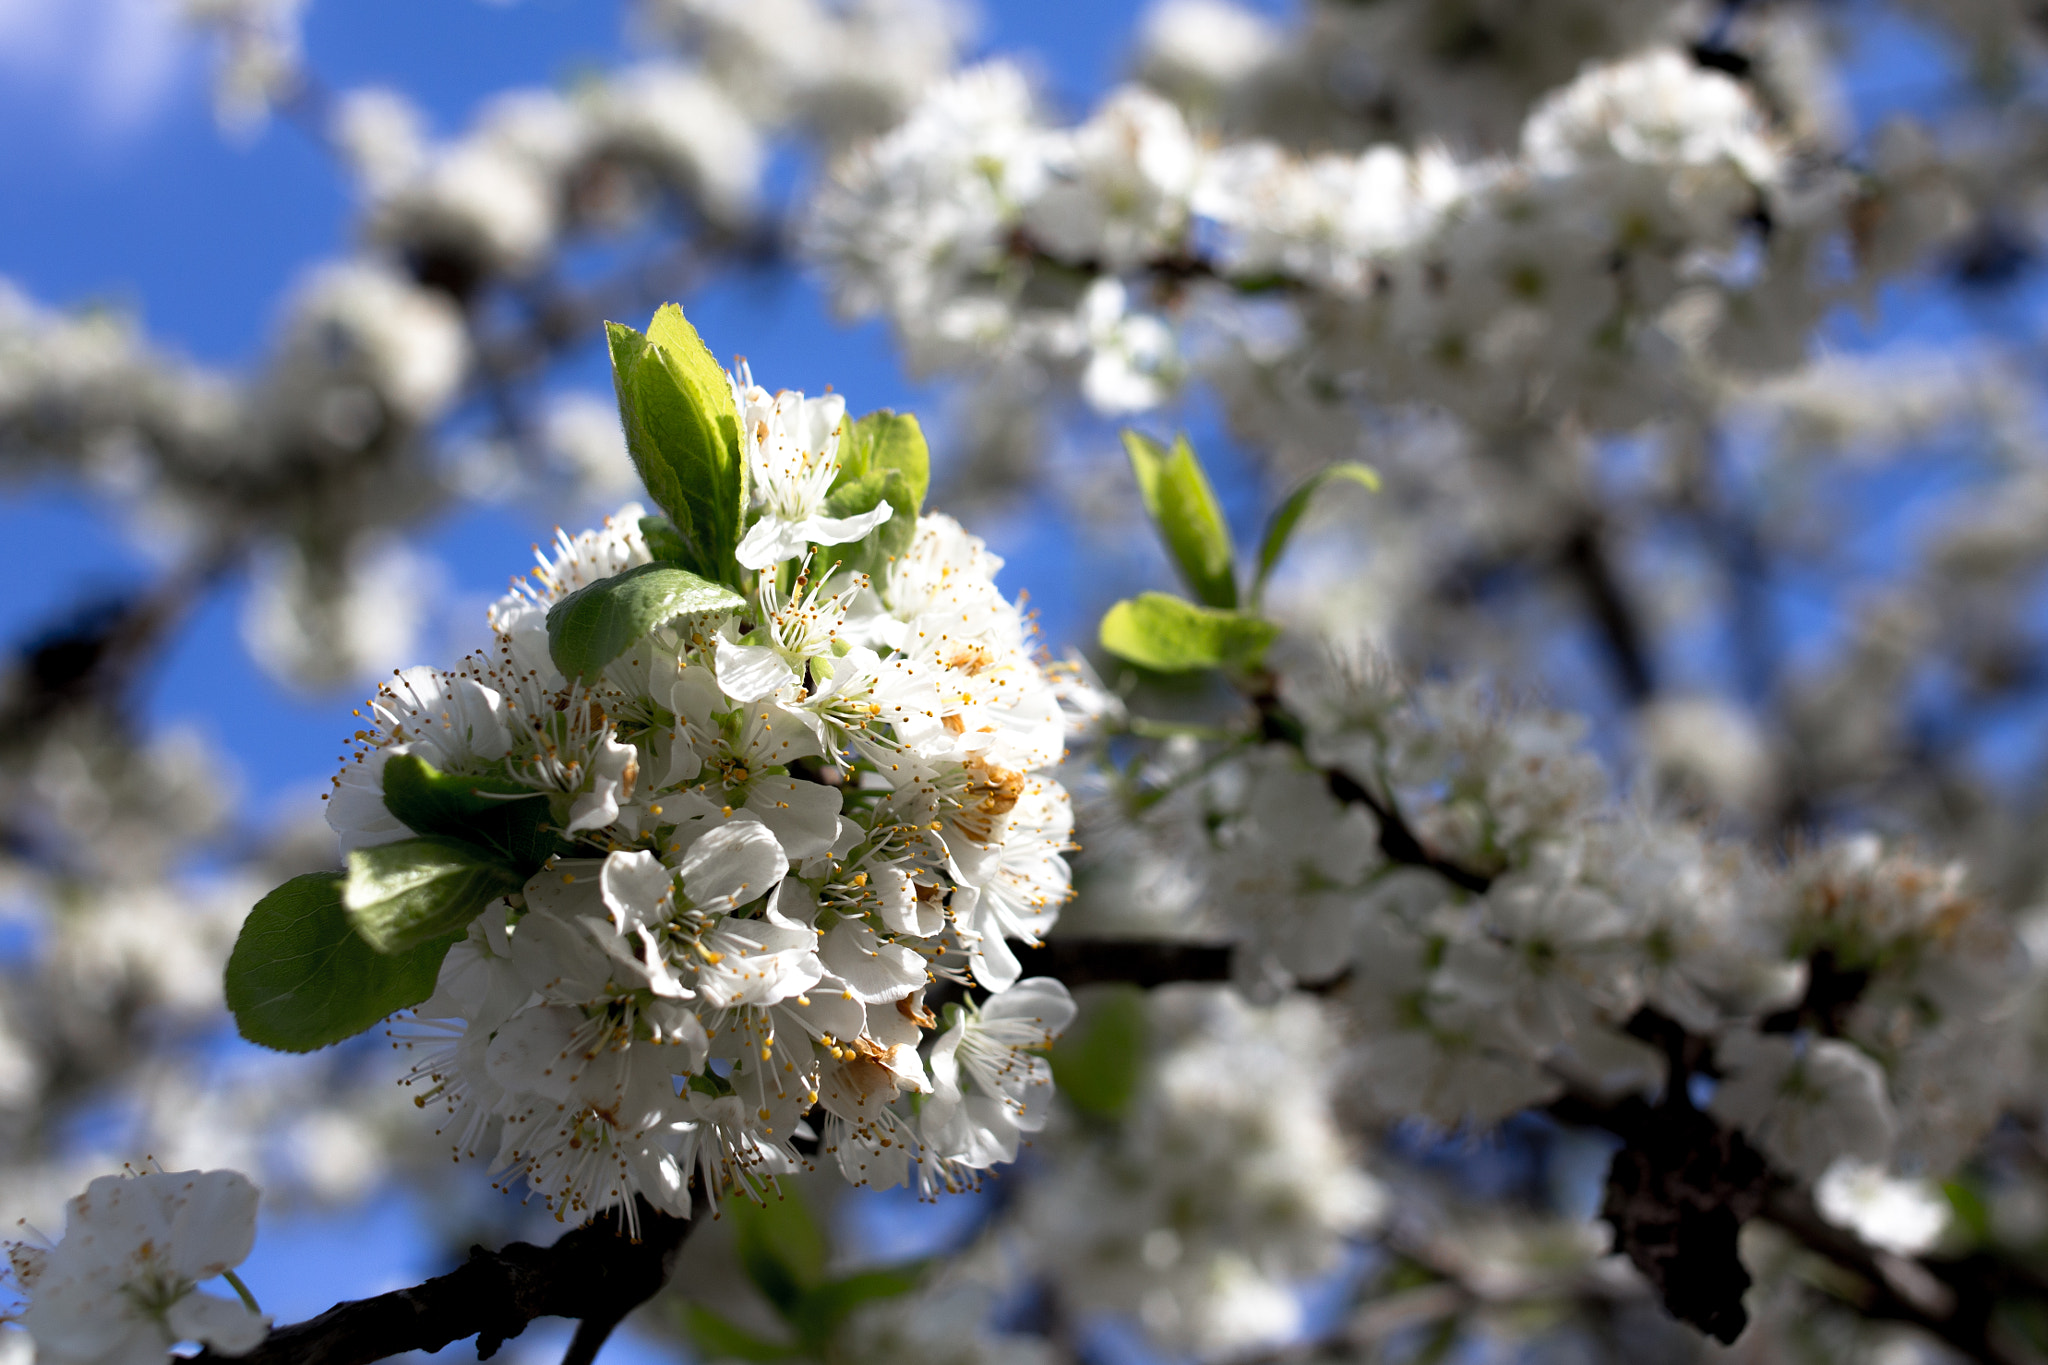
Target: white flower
590	1113
1804	1103
997	1050
455	724
121	1287
1116	188
1205	47
798	630
792	452
1903	1216
1557	954
1660	106
1417	1051
1133	358
739	936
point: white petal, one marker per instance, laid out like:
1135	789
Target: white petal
531	1052
994	965
752	672
733	864
356	810
636	889
976	1132
757	963
899	907
840	530
562	958
827	1008
772	540
793	906
875	970
213	1223
1041	1005
221	1323
676	1025
477	716
804	815
612	776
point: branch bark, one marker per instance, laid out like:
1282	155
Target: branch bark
594	1273
1585	556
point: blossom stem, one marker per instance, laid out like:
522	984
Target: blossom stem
242	1291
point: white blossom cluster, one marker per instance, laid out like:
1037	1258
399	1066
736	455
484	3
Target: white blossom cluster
1473	283
257	64
1466	71
1224	1187
1860	1002
789	820
121	1286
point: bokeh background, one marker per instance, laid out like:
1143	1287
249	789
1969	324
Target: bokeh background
124	191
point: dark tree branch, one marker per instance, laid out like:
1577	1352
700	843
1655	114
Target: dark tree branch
591	1335
1137	962
1584	555
1398	840
94	654
594	1273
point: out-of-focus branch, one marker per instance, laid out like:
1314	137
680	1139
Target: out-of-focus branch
1586	558
1136	962
93	655
594	1273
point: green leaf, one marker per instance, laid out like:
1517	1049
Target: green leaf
595	625
684	435
1190	520
849	498
664	541
510	821
1282	526
1096	1065
300	977
887	440
1173	635
719	1339
404	894
1973	1214
819	1314
780	1246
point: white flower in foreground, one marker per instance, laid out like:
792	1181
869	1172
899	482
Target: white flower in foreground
455	724
998	1047
121	1287
726	944
1903	1216
792	446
